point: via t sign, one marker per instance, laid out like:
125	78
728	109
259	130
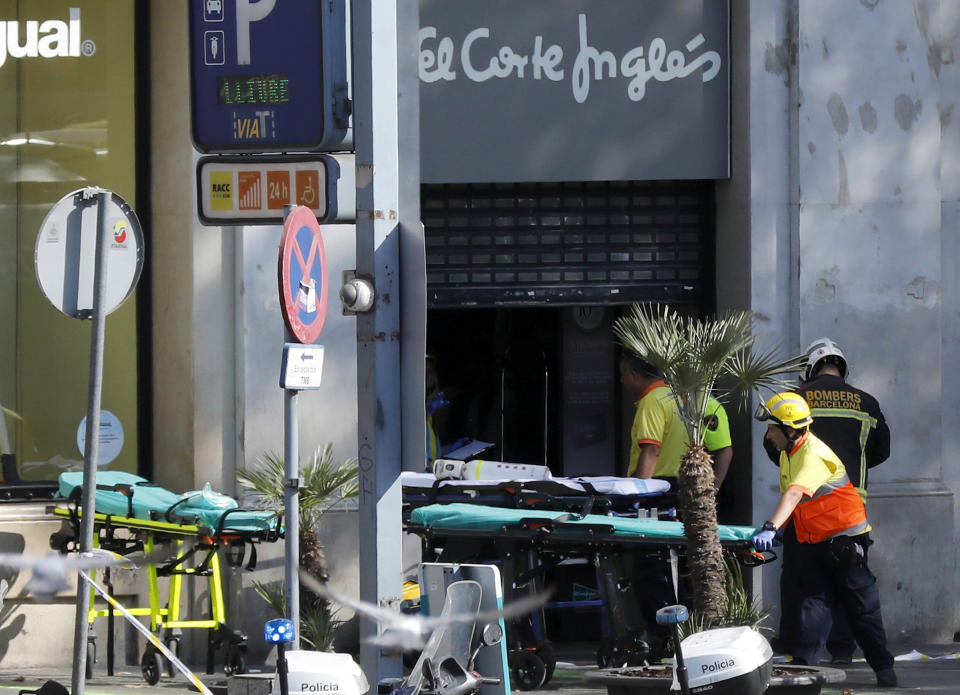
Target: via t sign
267	75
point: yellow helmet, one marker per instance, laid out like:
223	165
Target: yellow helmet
786	408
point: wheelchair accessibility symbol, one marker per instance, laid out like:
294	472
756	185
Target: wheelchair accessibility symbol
306	184
303	275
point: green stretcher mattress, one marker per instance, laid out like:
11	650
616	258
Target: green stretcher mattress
479	518
121	494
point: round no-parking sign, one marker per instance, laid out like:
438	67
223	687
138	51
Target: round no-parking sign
303	275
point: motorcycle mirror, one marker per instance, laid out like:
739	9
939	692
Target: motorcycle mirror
492	634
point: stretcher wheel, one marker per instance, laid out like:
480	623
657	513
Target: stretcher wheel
235	662
549	656
527	670
173	644
604	653
91	658
151	665
627	651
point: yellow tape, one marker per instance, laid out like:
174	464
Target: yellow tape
152	638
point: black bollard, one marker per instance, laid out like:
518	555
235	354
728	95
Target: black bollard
673	616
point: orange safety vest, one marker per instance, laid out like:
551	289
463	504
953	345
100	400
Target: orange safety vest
836	509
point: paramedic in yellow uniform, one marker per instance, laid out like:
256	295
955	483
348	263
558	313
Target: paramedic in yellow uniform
658	438
716	440
832	533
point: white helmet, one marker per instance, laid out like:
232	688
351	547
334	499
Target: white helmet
820	350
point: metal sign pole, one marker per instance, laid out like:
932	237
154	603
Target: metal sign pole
413	262
379	407
91	448
291	497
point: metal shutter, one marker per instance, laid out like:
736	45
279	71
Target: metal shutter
566	243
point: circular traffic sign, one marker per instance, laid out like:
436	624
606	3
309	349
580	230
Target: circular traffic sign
303	275
65	254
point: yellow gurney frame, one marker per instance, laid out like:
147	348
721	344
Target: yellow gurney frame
147	534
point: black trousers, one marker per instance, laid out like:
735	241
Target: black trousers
836	572
841	641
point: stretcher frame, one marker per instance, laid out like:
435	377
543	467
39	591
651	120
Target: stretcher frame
530	542
168	617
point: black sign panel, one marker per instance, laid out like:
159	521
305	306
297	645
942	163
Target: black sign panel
574	90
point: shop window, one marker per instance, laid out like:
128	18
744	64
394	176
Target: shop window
67	120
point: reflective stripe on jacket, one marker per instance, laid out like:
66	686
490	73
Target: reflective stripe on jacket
836	509
850	422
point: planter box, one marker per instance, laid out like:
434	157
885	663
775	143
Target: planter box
649	680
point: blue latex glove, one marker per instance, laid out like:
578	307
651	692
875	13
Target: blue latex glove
436	403
765	540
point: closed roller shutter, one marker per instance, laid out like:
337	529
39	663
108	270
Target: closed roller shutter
567	243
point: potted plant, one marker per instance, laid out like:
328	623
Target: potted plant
786	679
324	485
693	353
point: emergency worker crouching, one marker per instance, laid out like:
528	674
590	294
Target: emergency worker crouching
830	521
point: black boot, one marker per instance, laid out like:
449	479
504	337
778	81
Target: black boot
887	678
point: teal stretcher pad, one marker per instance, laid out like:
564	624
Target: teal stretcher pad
123	494
473	517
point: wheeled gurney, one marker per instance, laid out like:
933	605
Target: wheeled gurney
180	536
598	493
528	542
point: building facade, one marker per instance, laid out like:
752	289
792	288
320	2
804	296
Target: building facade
795	160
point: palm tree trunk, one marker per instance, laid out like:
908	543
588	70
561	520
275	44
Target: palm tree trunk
313	560
704	553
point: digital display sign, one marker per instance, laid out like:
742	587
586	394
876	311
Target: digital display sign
253	89
268	76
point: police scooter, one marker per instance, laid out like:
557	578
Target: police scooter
722	661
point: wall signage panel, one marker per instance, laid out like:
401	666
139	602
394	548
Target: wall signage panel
574	90
267	76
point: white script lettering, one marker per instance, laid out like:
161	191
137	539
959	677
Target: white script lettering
481	61
442	58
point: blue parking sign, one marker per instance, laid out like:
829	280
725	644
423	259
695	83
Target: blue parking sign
267	76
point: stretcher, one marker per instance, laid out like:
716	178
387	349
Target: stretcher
599	494
180	536
527	543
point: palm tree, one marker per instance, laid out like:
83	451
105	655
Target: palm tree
324	484
692	354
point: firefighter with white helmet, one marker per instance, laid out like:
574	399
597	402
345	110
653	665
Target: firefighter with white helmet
831	526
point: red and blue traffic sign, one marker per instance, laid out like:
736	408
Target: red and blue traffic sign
303	275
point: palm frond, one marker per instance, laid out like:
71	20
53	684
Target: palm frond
324	482
691	352
265	482
741	611
651	332
273	595
318	623
755	370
